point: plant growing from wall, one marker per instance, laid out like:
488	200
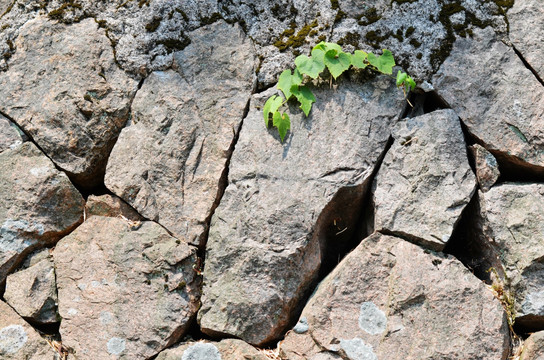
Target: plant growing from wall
329	56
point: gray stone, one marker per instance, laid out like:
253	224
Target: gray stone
112	206
38	205
434	308
497	97
514	221
286	201
65	90
487	168
168	164
137	295
533	347
526	19
32	292
10	138
228	349
425	180
18	340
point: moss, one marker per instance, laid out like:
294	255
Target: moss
409	31
183	14
211	19
374	38
8	9
10	45
154	24
350	38
398	35
340	15
102	23
141	3
294	40
175	44
419	56
371	16
415	43
403	1
321	38
58	13
335	5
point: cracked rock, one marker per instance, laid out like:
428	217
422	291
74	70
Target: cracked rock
112	206
286	201
228	349
533	347
390	299
137	295
487	168
425	180
10	137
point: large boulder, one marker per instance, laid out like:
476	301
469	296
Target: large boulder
169	163
390	299
499	100
64	88
533	347
290	206
137	294
227	349
425	180
38	205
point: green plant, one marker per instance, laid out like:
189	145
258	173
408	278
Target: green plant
324	56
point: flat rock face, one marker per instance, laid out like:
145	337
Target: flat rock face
138	292
390	299
38	204
228	349
515	222
487	168
9	136
284	202
533	347
64	88
528	40
425	180
18	340
109	205
497	97
169	163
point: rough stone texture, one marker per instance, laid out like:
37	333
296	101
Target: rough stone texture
515	223
112	206
32	292
286	201
228	349
487	168
425	180
497	97
390	299
18	340
38	204
65	90
10	138
533	347
526	19
137	294
168	164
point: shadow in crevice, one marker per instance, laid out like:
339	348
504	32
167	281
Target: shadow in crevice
424	103
528	66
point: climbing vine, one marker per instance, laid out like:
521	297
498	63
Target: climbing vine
329	56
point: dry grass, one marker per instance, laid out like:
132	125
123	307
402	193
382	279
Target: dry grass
272	354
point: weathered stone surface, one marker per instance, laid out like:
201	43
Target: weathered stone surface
9	136
515	223
425	180
32	292
169	163
526	19
497	97
18	340
112	206
228	349
390	299
137	294
533	347
487	168
286	201
38	204
65	90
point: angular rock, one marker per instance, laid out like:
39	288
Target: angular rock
38	205
65	90
169	163
112	206
18	340
390	299
9	136
487	168
228	349
498	99
124	291
515	220
291	206
425	180
533	347
32	292
528	40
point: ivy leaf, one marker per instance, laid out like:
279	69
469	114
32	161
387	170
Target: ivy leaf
326	46
401	77
287	80
384	63
282	122
411	83
337	62
358	59
271	106
311	66
305	97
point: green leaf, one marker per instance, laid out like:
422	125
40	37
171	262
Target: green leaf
410	82
271	106
282	122
384	63
287	80
305	97
311	66
358	59
401	77
326	46
337	63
